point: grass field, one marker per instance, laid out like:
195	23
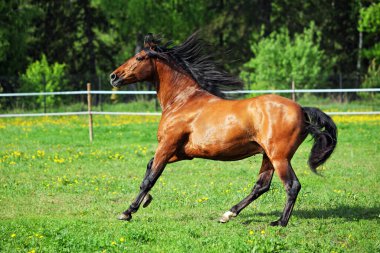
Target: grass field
59	193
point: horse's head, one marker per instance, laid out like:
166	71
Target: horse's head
138	68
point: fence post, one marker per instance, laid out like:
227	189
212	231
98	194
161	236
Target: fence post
293	92
89	103
44	83
340	87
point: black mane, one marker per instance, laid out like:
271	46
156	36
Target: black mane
194	56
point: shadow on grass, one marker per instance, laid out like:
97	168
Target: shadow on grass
346	212
350	213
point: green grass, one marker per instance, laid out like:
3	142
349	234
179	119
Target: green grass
59	193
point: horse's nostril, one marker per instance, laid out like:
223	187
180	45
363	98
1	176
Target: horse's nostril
113	77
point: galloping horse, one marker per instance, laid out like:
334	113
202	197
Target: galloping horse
197	122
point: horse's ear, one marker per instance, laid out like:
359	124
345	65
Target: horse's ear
150	41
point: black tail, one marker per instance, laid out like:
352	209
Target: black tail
324	132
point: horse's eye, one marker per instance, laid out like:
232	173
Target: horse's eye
139	58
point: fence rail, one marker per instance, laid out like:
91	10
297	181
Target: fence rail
101	92
141	114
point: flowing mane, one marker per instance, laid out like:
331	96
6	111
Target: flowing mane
195	58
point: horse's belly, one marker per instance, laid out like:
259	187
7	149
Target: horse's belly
221	148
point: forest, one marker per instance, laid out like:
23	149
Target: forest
61	45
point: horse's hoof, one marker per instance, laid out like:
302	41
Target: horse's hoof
147	199
124	216
277	223
227	216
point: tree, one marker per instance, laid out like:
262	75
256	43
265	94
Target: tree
15	28
279	60
370	24
42	77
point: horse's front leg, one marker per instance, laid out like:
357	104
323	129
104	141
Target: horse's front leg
154	170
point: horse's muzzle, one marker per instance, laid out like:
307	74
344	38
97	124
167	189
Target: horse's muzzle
115	80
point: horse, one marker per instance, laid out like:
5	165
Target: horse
198	122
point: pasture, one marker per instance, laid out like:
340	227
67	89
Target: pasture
60	193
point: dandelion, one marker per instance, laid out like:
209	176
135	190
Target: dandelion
32	251
263	232
13	235
122	239
202	199
58	160
251	232
37	235
16	153
113	243
40	153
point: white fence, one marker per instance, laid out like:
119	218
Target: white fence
156	113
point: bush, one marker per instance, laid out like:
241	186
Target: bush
372	78
369	23
280	59
42	77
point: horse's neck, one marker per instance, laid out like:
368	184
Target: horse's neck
174	88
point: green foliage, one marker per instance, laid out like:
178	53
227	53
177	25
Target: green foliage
15	20
372	78
279	60
92	37
370	18
369	22
42	77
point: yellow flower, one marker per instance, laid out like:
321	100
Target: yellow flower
202	199
32	251
58	160
13	235
16	153
40	153
251	232
113	243
122	239
263	232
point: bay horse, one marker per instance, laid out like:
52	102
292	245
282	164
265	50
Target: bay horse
197	122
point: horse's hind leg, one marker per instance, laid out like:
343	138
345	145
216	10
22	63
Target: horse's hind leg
262	185
292	187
